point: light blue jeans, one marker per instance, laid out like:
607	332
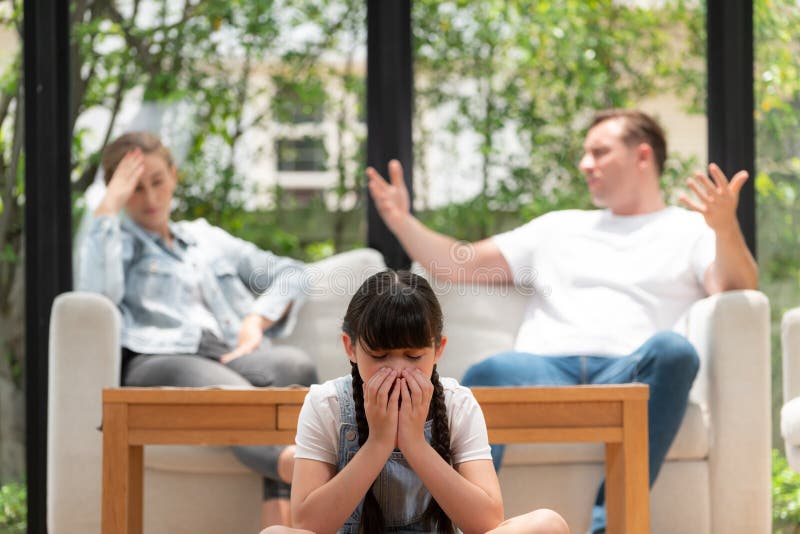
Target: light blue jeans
667	362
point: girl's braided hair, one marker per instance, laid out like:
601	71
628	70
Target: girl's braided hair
393	310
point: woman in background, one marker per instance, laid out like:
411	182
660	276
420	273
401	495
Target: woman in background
196	302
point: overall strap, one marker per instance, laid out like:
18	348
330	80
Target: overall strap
344	394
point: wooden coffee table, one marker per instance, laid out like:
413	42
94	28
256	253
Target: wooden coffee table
134	417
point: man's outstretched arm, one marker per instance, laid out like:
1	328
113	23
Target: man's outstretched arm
734	266
444	257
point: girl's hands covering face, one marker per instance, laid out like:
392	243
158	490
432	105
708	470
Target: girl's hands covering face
416	391
381	407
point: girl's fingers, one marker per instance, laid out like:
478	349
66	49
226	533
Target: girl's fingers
374	383
405	396
385	387
412	378
396	396
427	387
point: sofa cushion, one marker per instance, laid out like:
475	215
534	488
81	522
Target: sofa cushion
479	321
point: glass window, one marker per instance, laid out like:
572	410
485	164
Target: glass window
306	154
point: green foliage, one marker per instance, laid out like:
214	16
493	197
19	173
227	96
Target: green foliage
534	72
13	508
785	496
777	113
778	136
299	231
298	100
12	191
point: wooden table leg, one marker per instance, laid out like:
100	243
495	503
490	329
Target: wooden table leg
637	478
115	469
135	488
615	482
627	478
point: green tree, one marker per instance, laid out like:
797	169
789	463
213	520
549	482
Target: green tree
777	86
534	72
12	290
208	56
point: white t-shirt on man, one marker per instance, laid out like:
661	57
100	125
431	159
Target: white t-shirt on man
318	425
603	284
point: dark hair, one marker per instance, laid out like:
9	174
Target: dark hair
638	127
393	310
116	150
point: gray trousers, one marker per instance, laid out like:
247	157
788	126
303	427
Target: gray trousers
266	366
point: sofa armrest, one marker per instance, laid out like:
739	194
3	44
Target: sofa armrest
790	412
84	358
790	343
731	332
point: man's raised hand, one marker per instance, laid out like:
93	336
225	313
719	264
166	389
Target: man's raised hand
391	198
716	200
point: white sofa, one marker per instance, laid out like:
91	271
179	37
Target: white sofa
716	478
790	413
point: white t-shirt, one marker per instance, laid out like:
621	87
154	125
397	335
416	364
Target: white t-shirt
603	283
318	425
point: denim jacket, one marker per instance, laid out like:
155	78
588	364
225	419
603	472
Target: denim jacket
151	282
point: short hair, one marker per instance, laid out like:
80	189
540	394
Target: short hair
638	127
116	150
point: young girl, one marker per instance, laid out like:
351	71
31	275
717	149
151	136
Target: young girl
394	448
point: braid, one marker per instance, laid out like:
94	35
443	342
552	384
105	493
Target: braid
440	441
371	515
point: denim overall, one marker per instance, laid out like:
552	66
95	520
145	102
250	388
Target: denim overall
399	491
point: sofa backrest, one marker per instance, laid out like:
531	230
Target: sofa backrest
332	282
479	320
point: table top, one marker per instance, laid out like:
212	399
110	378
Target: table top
282	395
